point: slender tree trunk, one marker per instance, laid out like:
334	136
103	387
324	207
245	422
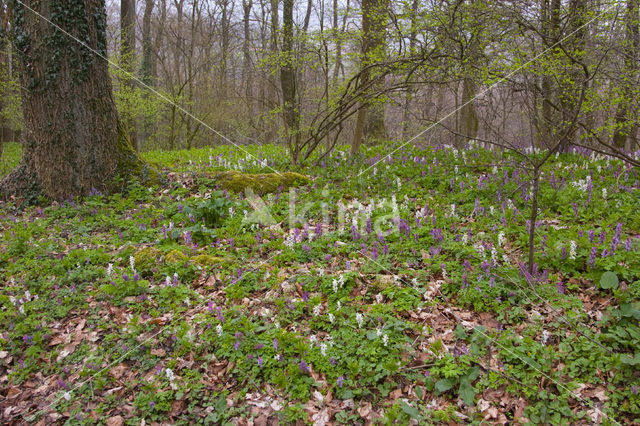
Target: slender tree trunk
4	57
246	53
274	49
468	114
374	127
127	57
74	141
409	95
370	118
550	23
626	129
225	26
291	113
146	68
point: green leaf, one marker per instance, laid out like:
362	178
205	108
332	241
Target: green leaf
466	391
629	310
443	385
626	359
460	332
410	410
609	280
473	373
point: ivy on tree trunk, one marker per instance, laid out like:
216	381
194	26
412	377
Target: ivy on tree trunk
74	142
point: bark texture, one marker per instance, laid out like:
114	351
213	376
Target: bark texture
74	141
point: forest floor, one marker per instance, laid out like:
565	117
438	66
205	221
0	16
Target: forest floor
390	291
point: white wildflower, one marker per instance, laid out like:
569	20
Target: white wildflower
399	183
604	193
167	280
219	330
500	239
316	310
505	258
169	373
323	349
379	298
465	239
339	305
312	340
231	211
572	249
332	318
27	295
132	263
21	309
109	269
378	332
187	302
13	300
320	272
453	210
545	337
491	210
494	255
359	319
67	396
444	273
385	340
335	285
276	324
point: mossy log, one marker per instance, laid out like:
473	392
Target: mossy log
262	183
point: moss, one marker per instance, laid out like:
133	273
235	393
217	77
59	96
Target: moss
207	260
131	166
262	183
175	256
146	259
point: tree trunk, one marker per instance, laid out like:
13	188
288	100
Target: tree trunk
626	129
291	113
375	44
246	53
468	114
4	42
147	54
409	95
550	23
127	57
74	141
370	118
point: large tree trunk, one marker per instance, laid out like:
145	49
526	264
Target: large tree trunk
74	141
